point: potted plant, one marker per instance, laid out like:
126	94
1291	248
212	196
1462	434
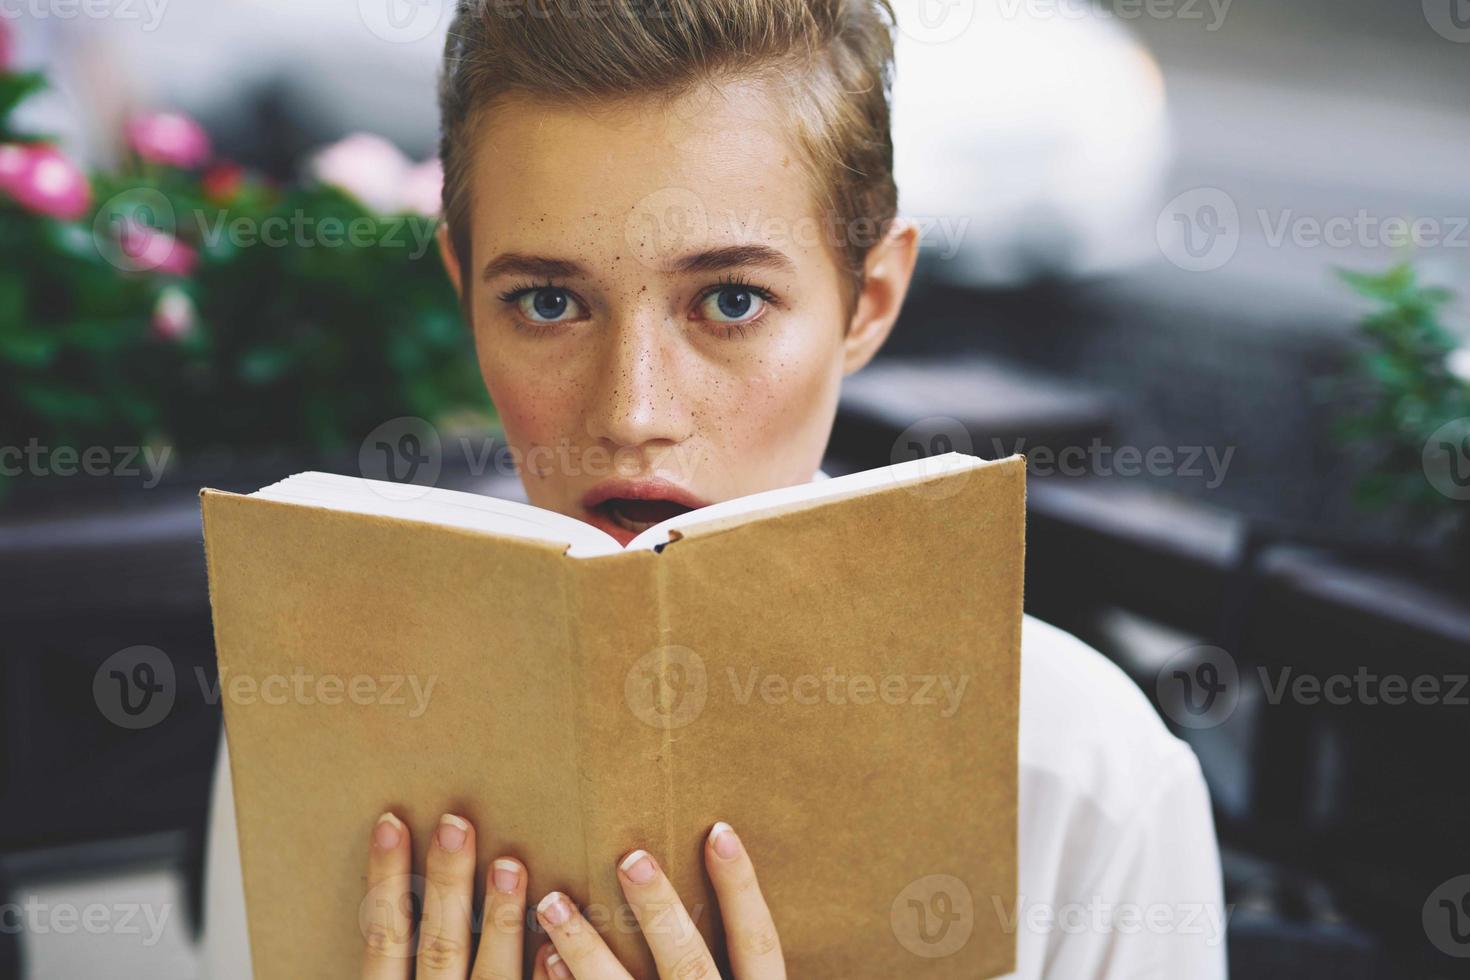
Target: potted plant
190	315
1410	388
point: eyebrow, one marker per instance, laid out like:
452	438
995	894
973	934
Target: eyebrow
707	260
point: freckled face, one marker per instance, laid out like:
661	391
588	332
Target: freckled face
656	308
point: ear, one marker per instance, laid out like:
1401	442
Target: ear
450	260
888	270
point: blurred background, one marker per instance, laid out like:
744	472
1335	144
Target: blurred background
1203	261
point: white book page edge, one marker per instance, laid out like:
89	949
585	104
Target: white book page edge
783	498
477	512
435	505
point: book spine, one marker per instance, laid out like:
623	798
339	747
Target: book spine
628	689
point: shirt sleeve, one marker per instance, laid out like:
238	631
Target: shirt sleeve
1155	908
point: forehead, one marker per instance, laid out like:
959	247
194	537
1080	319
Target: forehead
650	174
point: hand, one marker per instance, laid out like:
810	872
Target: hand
575	950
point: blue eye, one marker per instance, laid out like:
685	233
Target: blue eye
544	305
733	304
547	305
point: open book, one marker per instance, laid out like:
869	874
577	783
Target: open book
833	668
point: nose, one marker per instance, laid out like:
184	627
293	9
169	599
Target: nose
639	400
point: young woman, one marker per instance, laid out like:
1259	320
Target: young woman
672	226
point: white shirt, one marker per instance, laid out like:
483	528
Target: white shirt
1118	868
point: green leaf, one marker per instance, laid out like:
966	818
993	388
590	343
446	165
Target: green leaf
102	336
31	350
1383	286
63	404
16	88
263	365
12	302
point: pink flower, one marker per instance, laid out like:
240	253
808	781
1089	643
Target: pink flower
150	249
423	189
174	315
43	180
367	167
14	161
170	138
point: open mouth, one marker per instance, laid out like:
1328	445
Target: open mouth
626	508
639	515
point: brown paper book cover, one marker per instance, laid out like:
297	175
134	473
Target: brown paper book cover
832	669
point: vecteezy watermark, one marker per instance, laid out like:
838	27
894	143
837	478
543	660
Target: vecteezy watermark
1100	916
1098	458
674	220
939	691
403	21
37	918
667	687
1200	230
138	230
1450	19
659	919
1446	917
1363	229
35	459
1364	687
1209	12
303	230
1446	459
933	916
301	687
148	12
927	439
670	686
411	451
1198	687
135	688
934	21
405	451
134	230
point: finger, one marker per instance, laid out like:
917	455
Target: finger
676	944
556	967
503	937
449	894
750	932
581	949
542	971
387	911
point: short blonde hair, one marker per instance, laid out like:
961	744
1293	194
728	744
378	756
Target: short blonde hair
832	58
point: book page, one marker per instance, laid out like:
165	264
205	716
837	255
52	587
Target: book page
369	663
841	683
787	498
451	508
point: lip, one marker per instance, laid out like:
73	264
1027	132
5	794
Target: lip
646	489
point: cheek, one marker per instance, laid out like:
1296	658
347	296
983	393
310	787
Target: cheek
783	391
539	403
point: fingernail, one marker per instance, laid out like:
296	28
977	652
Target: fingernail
638	866
557	968
452	832
555	908
506	875
387	832
727	845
